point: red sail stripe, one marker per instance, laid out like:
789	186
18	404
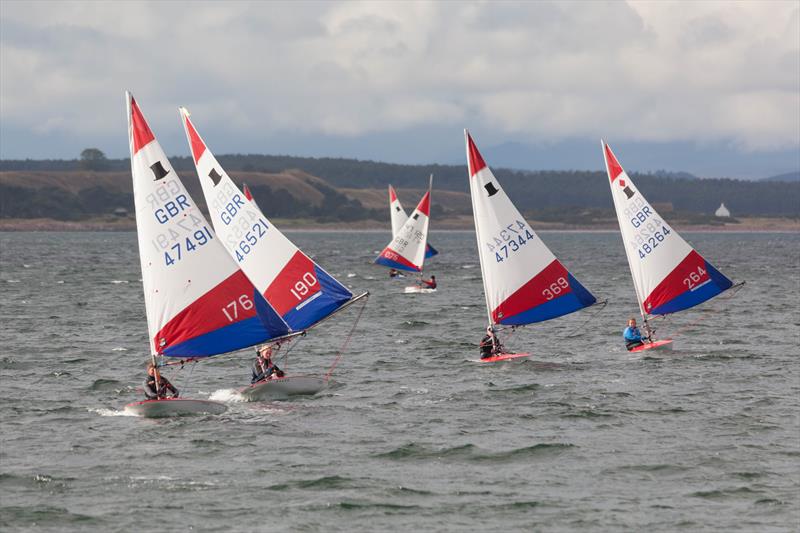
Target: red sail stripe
678	281
476	162
142	136
534	292
424	206
286	290
198	147
204	315
614	168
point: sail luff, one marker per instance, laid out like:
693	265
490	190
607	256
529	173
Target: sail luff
472	194
639	298
150	324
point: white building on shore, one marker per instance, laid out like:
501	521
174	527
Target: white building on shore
722	211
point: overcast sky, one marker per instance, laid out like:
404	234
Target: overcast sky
399	81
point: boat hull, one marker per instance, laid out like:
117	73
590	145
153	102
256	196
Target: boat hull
664	344
175	407
413	289
504	357
281	388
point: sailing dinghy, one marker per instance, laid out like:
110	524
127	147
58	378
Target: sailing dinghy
198	303
668	274
292	293
523	282
399	217
407	250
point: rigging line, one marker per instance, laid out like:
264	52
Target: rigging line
600	307
285	357
707	312
346	342
189	376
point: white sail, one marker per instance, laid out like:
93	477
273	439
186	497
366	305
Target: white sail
523	281
668	274
295	287
397	214
197	300
407	249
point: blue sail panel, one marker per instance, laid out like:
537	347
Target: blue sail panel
269	318
331	296
430	251
236	336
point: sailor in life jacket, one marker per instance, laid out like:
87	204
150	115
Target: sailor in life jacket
632	335
428	283
264	368
156	386
490	344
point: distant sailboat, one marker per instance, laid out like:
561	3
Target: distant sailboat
399	217
198	302
668	274
407	249
522	280
293	293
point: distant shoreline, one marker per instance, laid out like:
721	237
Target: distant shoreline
745	225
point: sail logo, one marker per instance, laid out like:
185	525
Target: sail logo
626	189
491	189
215	176
158	170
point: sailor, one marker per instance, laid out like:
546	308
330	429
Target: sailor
393	273
429	283
264	368
156	385
632	335
490	344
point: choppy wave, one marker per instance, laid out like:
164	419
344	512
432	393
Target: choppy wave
413	451
227	396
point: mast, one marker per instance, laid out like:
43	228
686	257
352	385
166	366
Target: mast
477	232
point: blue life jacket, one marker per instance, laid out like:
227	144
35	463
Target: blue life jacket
632	334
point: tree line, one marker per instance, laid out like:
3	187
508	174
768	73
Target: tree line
530	190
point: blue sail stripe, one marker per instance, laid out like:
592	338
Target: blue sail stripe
237	336
430	251
269	317
332	296
394	264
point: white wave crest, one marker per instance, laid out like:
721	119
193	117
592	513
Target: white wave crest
109	412
226	395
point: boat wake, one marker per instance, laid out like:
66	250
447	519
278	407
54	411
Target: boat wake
227	396
109	412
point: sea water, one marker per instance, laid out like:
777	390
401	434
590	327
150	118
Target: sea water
414	435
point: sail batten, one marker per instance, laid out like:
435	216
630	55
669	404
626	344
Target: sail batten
295	289
668	274
198	303
523	281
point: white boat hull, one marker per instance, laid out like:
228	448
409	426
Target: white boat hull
282	388
414	289
175	407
